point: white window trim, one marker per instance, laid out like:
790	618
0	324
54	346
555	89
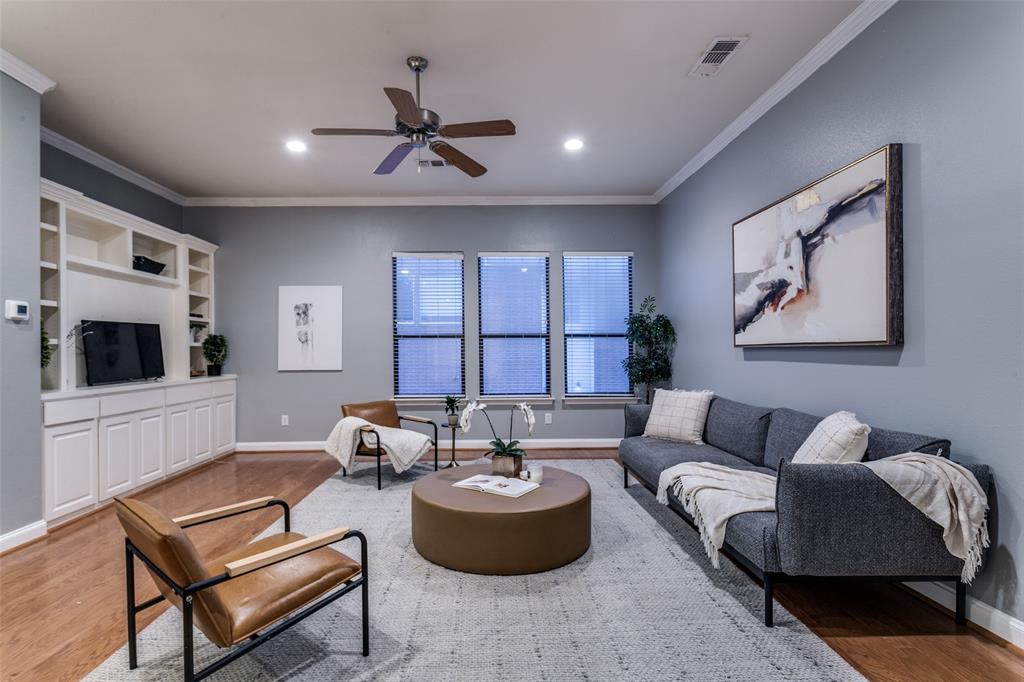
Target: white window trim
426	255
608	254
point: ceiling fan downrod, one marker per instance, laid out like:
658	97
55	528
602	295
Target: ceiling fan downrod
418	66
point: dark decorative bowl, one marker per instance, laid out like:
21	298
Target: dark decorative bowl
147	265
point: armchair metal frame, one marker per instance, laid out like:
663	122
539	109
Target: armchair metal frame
186	592
380	453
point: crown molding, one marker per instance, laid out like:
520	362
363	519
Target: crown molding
23	73
64	144
582	200
848	29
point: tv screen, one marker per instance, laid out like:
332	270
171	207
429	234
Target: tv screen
121	351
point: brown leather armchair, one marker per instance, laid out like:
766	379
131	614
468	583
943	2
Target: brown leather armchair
248	595
382	413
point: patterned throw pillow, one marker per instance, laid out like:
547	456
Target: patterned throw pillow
837	438
679	415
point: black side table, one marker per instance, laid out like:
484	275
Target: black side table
453	463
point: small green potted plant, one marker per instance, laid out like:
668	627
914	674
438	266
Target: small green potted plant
46	356
215	350
451	408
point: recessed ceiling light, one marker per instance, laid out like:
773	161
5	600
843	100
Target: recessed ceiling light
295	145
573	144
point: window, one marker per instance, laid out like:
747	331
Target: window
514	341
429	342
598	296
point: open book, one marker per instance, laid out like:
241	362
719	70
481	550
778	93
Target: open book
497	485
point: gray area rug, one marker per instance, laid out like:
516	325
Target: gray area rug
642	604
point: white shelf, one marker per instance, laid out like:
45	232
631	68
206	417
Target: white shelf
198	294
195	345
48	303
47	265
119	272
48	227
53	342
196	268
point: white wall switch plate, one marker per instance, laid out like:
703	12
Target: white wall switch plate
547	417
16	311
284	420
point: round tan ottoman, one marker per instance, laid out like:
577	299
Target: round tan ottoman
475	532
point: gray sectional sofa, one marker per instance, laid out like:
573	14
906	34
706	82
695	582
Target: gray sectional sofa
835	520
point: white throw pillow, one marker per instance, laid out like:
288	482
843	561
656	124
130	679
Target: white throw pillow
679	415
837	438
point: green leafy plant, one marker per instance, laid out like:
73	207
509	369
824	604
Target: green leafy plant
215	349
509	449
451	404
46	353
653	339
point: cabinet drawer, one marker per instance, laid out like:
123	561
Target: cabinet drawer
67	411
223	387
188	394
135	401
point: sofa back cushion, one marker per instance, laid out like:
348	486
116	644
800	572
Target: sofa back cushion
738	428
788	430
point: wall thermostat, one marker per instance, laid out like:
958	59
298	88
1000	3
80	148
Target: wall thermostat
16	310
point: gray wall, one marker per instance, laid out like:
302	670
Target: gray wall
98	184
262	248
923	75
21	463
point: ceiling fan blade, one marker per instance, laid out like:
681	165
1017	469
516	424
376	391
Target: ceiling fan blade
392	160
405	105
353	131
479	129
457	159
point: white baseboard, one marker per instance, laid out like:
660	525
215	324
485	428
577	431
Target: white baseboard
20	536
476	444
978	612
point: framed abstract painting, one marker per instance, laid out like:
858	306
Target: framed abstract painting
823	266
309	328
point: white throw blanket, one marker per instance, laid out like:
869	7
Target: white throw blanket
946	493
712	494
403	447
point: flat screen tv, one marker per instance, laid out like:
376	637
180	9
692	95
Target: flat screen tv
121	351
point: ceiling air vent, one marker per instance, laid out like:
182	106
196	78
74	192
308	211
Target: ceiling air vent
716	55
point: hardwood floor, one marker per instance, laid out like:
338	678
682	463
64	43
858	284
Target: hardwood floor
62	598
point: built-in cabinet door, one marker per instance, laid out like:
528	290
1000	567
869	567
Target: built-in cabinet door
117	455
69	464
201	424
224	421
179	444
151	442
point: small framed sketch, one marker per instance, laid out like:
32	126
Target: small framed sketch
308	328
823	266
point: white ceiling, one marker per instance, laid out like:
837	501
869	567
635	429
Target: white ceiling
200	96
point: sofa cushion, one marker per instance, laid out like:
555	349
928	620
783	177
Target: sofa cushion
647	457
678	415
788	430
751	534
738	428
837	439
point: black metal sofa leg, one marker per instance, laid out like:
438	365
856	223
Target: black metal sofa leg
625	476
961	602
769	599
186	632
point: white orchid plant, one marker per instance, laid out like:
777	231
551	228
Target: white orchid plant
510	447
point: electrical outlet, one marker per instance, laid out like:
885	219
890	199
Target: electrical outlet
547	417
284	420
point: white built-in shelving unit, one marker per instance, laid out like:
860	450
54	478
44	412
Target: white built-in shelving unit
108	440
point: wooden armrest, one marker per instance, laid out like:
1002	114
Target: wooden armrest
412	418
272	556
210	514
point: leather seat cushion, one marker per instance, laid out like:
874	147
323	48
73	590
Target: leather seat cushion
255	600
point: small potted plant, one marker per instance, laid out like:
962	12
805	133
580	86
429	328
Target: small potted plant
215	350
506	456
451	408
47	351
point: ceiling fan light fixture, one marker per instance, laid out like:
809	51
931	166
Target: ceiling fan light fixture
573	144
297	146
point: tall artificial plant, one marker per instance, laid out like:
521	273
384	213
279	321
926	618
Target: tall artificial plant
653	339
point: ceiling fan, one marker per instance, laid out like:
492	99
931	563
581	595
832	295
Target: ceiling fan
422	126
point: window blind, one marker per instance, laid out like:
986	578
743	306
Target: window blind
598	297
514	326
428	324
